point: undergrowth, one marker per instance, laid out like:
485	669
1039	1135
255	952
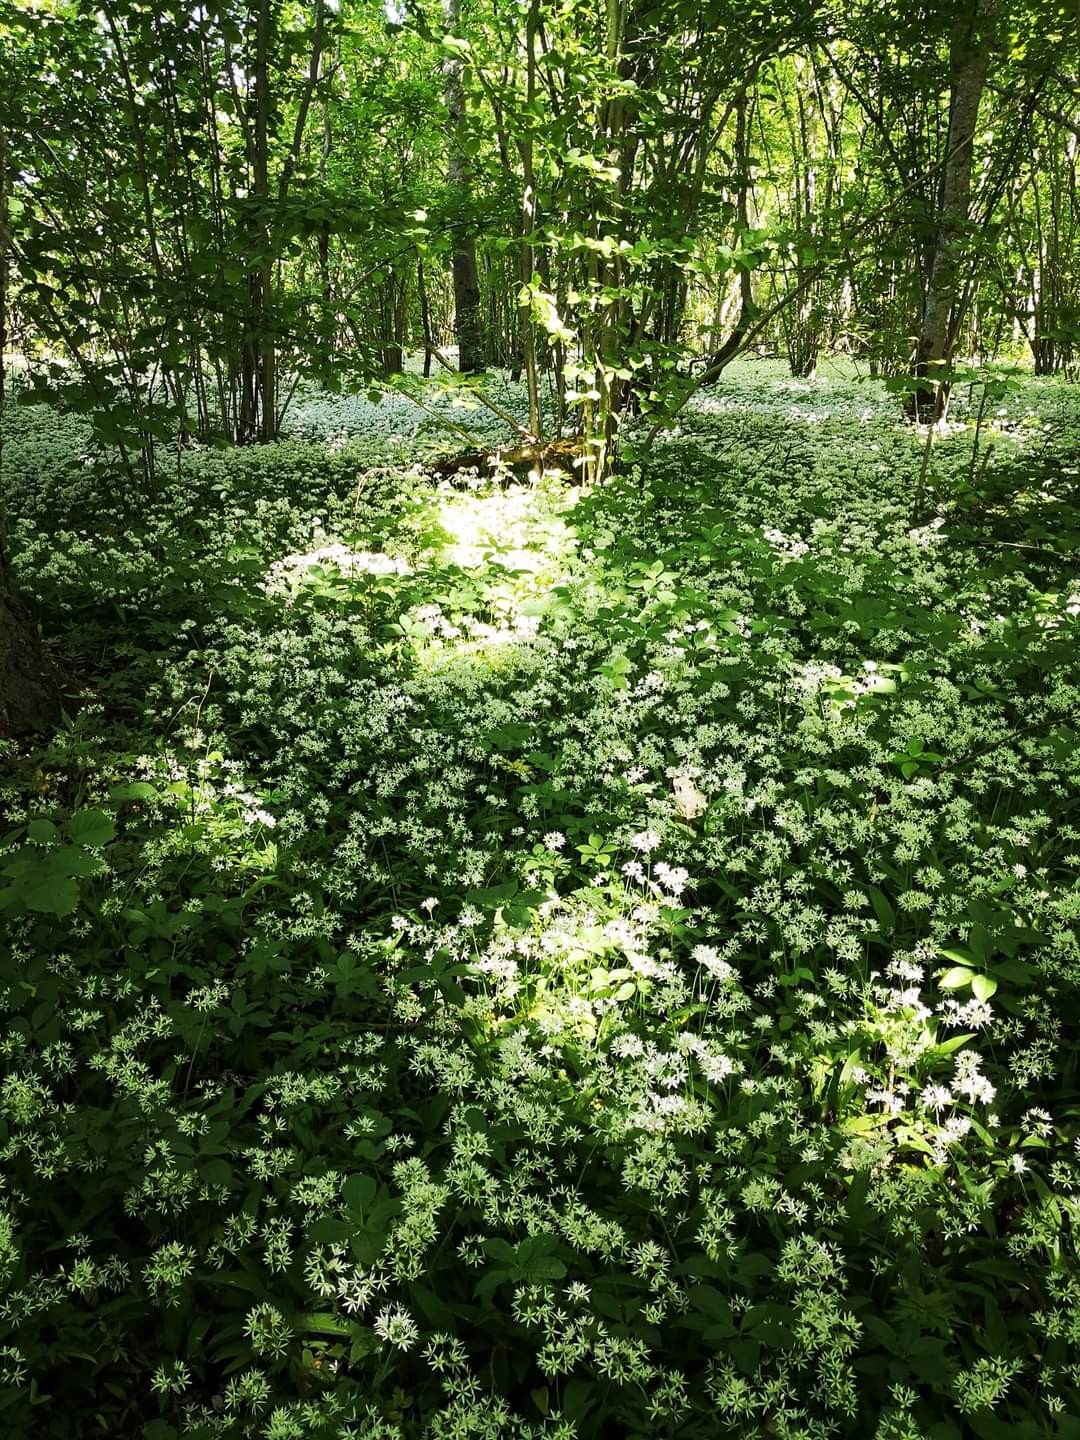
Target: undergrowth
508	961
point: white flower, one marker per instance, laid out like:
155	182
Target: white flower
396	1327
673	878
716	1068
937	1097
708	958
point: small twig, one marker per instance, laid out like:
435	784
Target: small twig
442	420
484	400
288	400
916	509
1033	549
978	432
198	709
360	479
994	745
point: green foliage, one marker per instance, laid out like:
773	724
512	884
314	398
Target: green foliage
43	873
394	1050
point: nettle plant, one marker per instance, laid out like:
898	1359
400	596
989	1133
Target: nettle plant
534	963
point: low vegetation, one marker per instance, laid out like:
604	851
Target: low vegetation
497	957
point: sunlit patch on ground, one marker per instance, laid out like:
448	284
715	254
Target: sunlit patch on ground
514	545
518	528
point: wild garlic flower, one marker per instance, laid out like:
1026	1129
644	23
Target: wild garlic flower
396	1327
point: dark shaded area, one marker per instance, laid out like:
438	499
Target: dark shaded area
29	697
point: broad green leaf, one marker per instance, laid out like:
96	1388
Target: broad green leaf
956	978
93	828
983	987
49	894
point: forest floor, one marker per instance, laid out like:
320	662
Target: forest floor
444	895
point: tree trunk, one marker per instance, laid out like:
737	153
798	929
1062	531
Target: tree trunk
468	321
29	699
969	57
528	226
744	185
425	314
3	310
267	356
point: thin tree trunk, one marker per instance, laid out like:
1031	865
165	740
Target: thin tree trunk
528	225
3	310
324	229
468	320
970	57
733	343
29	699
267	358
425	314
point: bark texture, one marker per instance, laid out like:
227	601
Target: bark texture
468	316
970	58
29	699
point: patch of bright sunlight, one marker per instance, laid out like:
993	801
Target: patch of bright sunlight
520	528
519	546
440	638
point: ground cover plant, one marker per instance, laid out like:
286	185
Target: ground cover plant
498	957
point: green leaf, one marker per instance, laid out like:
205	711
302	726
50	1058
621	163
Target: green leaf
882	909
158	1430
956	978
983	987
91	827
962	957
499	1249
137	790
323	1323
49	894
954	1043
216	1171
359	1191
494	895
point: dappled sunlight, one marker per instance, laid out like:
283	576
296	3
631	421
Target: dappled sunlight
1055	611
515	546
518	528
440	643
539	720
539	861
471	574
825	682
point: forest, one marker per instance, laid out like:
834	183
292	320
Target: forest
539	720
